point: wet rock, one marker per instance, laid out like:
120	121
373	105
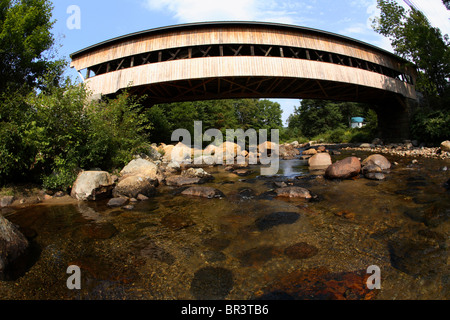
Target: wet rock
212	283
214	256
177	221
371	168
204	192
275	219
141	197
417	258
288	151
257	256
92	185
311	151
128	207
431	216
378	160
182	181
153	251
345	214
132	186
384	234
243	172
117	202
12	245
246	194
101	230
375	176
197	173
6	201
344	169
300	250
320	284
216	243
293	192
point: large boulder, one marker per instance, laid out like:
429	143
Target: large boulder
378	160
6	201
293	192
141	167
12	244
344	169
320	160
132	186
445	145
92	185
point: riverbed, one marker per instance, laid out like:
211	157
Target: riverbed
248	244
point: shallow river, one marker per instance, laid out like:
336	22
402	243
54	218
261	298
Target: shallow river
249	245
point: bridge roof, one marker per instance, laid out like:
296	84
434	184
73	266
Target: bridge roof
218	24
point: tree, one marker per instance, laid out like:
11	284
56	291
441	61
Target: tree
25	44
414	39
446	3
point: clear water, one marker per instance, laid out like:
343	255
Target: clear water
248	245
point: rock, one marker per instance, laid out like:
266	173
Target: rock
128	207
243	172
311	151
320	160
132	186
205	192
101	230
377	141
182	181
371	168
229	150
366	145
117	202
141	167
276	219
92	185
197	173
320	284
345	214
12	245
293	192
377	159
295	144
141	197
6	201
257	256
321	149
300	250
344	169
417	258
445	145
212	283
375	176
288	151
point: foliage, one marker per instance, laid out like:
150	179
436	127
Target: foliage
431	126
316	117
25	43
414	39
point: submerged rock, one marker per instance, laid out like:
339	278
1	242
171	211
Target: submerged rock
301	250
320	284
293	192
182	180
375	176
212	283
344	169
276	219
205	192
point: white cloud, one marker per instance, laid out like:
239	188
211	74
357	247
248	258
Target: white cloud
285	11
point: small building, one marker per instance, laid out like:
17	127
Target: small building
357	122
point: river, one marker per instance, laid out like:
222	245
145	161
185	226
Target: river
248	244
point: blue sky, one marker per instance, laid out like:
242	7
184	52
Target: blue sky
102	20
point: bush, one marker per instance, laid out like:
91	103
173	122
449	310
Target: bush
431	126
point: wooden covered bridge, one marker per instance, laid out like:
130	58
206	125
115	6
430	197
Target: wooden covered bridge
219	60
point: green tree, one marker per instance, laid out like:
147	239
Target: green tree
26	44
414	39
